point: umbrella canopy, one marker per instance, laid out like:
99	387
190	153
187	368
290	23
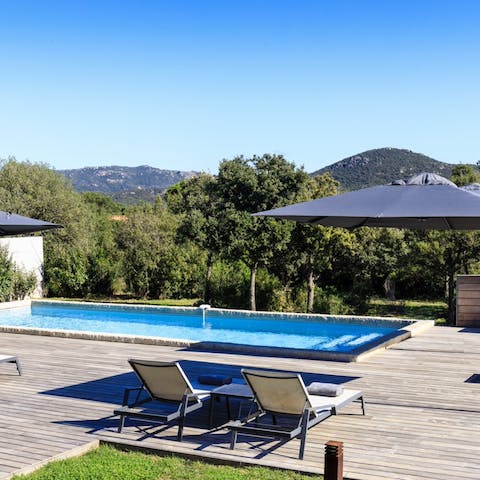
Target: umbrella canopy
426	201
12	224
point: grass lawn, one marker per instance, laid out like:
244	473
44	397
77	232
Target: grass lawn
107	463
418	309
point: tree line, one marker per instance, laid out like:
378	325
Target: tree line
201	241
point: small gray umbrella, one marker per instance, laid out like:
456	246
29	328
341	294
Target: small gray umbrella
13	224
426	201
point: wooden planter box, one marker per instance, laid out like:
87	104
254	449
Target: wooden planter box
468	301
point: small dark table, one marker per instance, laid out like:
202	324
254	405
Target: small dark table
232	390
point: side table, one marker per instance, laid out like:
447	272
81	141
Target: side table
232	390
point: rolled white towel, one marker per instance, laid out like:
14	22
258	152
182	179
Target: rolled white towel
325	389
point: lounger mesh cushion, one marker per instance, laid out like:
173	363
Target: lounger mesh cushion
166	383
288	396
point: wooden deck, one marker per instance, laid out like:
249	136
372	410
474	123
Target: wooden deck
422	422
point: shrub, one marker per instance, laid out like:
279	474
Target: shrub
24	283
270	293
15	283
6	275
331	302
229	285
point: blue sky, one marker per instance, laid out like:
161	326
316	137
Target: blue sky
182	84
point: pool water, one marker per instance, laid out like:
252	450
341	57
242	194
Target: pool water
310	332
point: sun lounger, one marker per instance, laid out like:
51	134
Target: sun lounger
11	359
284	396
166	394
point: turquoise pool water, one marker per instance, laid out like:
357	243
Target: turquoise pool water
310	332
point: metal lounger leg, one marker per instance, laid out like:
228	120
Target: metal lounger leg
363	404
181	422
122	423
212	400
19	367
303	435
181	418
229	409
233	439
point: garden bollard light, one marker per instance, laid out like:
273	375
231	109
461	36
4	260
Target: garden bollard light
333	460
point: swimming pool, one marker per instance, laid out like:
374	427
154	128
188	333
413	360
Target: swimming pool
215	328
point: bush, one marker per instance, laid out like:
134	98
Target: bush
270	294
187	276
15	283
358	298
24	283
67	274
331	302
229	285
6	275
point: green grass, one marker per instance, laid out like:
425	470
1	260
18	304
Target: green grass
167	302
418	309
107	463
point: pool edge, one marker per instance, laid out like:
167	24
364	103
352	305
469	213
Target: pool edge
259	313
357	355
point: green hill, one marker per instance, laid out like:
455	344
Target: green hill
381	166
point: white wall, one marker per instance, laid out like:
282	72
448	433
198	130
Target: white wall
27	253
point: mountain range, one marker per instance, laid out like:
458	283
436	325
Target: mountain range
125	184
374	167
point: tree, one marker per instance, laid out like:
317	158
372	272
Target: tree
35	190
317	246
147	240
382	254
196	201
102	204
464	175
104	260
443	255
245	186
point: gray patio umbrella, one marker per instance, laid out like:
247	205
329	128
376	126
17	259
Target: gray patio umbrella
13	224
426	201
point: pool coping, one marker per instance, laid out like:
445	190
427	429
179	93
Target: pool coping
360	353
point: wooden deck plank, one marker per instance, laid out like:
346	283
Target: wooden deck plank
422	418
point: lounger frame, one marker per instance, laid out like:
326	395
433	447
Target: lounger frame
190	400
307	418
